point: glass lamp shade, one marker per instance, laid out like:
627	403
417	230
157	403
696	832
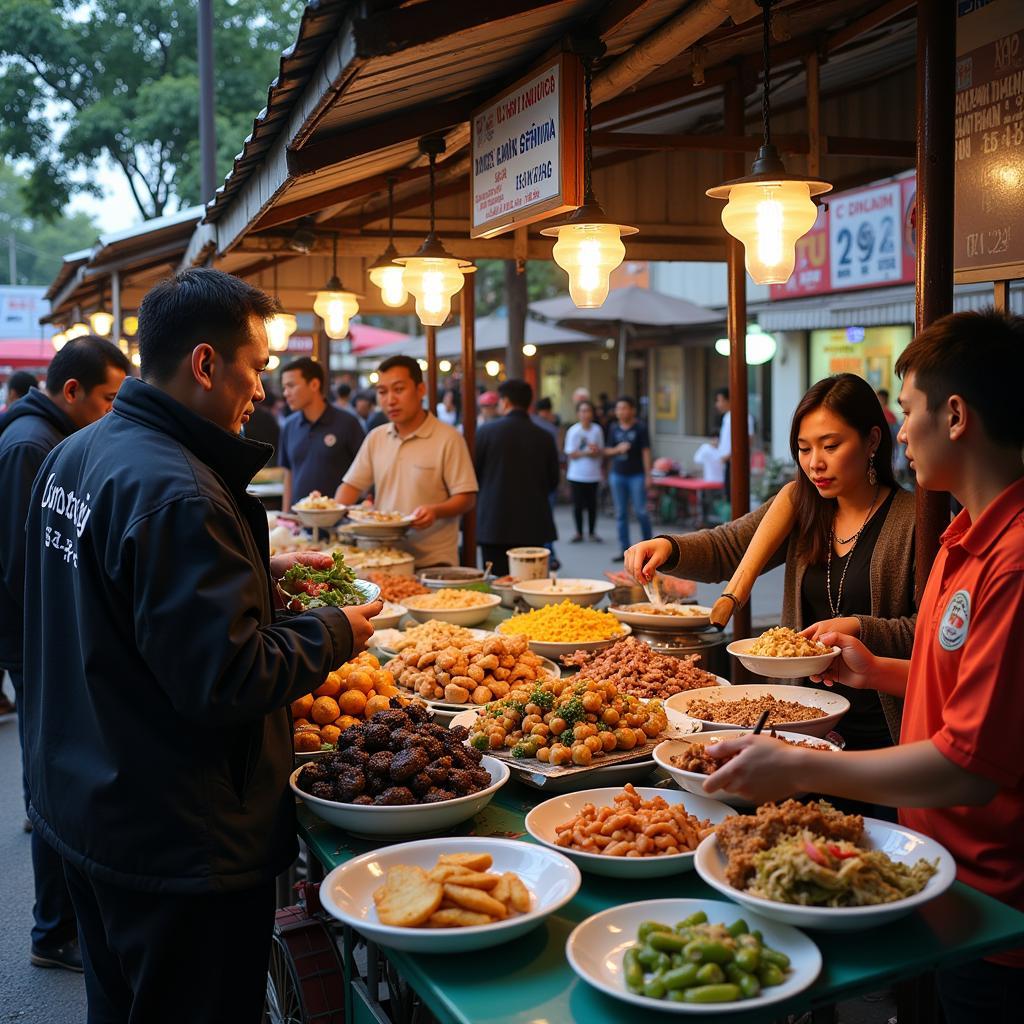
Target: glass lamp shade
390	279
77	330
59	340
280	328
130	325
335	308
760	347
588	253
434	282
101	322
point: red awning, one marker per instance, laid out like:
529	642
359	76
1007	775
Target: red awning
25	353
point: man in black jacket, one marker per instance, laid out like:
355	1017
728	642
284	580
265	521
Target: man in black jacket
517	468
159	735
81	383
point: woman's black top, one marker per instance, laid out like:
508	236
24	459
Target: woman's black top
863	726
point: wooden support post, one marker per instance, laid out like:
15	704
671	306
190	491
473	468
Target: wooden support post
432	396
739	462
1001	296
468	299
813	66
322	352
936	63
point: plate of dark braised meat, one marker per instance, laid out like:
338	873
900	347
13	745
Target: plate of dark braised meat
397	775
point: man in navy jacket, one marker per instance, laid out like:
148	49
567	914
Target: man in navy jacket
81	383
159	733
517	468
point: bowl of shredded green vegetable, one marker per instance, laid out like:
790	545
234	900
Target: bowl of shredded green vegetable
336	587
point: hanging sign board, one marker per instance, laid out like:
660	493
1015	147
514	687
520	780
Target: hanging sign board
527	149
988	241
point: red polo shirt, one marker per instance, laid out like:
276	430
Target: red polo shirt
965	693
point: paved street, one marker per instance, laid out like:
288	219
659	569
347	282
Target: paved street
30	995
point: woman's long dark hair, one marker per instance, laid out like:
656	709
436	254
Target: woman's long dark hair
854	401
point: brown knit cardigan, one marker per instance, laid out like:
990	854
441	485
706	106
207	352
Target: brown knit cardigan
711	556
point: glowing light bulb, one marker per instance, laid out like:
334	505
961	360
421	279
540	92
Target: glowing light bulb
492	368
130	325
445	366
101	322
280	328
529	350
59	340
588	253
273	362
335	307
77	330
391	282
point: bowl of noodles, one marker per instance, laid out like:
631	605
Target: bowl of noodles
782	653
811	866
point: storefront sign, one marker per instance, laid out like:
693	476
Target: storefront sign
862	239
527	148
988	243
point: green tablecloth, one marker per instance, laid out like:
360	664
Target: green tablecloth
529	980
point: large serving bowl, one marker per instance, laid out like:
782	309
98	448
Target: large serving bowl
780	668
347	892
456	616
543	820
538	593
693	782
901	844
401	822
553	651
319	518
595	948
833	705
697	617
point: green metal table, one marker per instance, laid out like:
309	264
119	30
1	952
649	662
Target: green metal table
530	981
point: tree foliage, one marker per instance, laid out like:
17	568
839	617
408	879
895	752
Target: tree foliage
39	245
80	82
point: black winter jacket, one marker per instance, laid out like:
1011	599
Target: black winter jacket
157	730
517	468
29	431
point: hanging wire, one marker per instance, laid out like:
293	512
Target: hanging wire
391	209
588	73
766	6
275	278
335	260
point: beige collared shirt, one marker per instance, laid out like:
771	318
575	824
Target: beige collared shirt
429	466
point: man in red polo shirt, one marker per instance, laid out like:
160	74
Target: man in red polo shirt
958	773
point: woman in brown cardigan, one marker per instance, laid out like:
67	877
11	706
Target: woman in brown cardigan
849	558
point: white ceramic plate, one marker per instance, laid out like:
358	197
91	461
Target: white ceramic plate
901	844
697	617
553	651
456	616
833	704
404	821
375	531
538	593
389	617
367	517
596	946
320	518
542	821
693	782
347	892
780	668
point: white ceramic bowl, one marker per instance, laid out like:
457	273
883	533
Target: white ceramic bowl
699	619
389	617
833	704
444	576
321	519
538	593
901	844
456	616
347	892
542	821
780	668
595	948
553	651
368	517
693	782
379	533
410	820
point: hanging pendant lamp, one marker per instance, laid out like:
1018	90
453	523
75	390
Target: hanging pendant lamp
101	321
281	326
589	245
334	304
769	209
387	275
432	274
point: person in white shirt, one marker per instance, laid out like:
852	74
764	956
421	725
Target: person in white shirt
448	409
584	448
722	405
707	457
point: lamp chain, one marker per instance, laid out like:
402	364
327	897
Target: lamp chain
391	210
335	257
433	157
766	7
588	190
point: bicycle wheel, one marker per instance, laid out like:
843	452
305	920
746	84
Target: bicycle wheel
305	979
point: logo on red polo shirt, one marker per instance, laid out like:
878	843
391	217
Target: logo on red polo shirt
955	621
330	440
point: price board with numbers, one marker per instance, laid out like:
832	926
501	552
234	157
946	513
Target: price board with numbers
989	219
864	237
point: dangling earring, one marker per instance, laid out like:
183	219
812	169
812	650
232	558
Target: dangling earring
872	475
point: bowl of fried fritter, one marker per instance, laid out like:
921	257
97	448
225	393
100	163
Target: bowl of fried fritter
399	775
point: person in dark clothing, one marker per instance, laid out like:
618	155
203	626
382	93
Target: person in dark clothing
545	418
263	425
81	383
517	468
158	729
19	385
319	440
629	447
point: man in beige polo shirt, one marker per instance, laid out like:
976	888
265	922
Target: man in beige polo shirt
416	465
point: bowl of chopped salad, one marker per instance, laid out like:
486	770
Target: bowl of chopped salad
337	587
